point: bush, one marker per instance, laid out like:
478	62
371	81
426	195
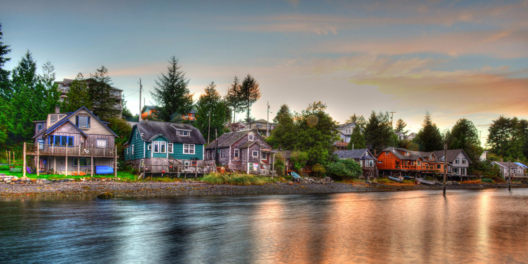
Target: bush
344	168
319	170
4	167
279	164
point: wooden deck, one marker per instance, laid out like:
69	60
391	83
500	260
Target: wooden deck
70	151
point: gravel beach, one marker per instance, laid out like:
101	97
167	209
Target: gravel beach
163	189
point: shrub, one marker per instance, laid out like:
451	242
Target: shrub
344	168
236	179
319	170
4	167
299	160
279	164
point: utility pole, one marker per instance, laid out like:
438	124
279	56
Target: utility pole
267	125
509	175
140	88
209	130
392	115
445	167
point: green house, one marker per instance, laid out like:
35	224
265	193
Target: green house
158	146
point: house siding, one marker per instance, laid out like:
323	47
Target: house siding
178	152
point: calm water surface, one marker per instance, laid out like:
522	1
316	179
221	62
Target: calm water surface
488	226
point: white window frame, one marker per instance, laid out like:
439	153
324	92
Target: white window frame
457	161
170	147
156	144
132	151
236	153
149	147
162	147
251	137
188	146
184	133
253	154
101	140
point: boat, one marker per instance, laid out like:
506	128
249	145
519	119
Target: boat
395	179
104	170
408	177
426	182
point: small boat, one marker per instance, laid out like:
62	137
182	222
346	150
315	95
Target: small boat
395	179
426	182
408	177
104	170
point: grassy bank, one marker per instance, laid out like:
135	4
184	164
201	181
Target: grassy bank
237	179
120	174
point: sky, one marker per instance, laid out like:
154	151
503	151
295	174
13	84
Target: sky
453	59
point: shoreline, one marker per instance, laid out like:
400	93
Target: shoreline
173	189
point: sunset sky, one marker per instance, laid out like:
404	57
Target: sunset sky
454	59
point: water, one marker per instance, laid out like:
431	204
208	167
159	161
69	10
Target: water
489	226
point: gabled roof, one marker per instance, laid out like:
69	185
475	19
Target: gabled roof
413	155
66	119
149	130
451	154
228	139
506	164
355	154
345	125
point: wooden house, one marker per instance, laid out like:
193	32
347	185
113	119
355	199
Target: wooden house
516	169
457	161
399	161
148	110
241	151
262	127
156	147
344	132
71	143
363	157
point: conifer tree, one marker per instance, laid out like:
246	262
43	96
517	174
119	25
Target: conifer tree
78	95
172	93
6	90
100	88
357	140
233	97
400	127
211	105
378	132
249	94
429	137
285	132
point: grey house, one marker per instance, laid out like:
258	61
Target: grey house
364	157
516	168
240	151
457	161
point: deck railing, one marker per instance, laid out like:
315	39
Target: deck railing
76	150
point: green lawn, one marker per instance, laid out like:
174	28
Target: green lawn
120	174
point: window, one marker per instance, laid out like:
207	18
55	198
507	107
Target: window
101	143
137	134
141	163
455	170
132	147
170	147
463	161
184	133
54	118
60	141
188	148
39	127
457	161
41	143
264	155
127	151
82	121
438	167
84	162
149	147
371	163
222	154
255	153
250	137
380	161
163	147
419	163
236	153
386	153
156	146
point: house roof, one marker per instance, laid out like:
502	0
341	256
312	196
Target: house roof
345	125
66	119
227	139
451	154
149	130
413	155
354	154
513	164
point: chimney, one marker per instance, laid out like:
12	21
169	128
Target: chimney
57	109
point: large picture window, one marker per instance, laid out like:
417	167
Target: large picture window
82	121
101	143
163	147
188	149
156	146
84	162
60	141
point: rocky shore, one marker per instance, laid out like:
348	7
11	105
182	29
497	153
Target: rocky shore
114	188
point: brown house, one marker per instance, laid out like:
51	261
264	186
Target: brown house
241	151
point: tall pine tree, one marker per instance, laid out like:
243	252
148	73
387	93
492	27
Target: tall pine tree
249	94
378	132
172	92
233	98
78	95
100	88
429	137
357	140
210	105
6	90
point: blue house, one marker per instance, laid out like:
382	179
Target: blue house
161	146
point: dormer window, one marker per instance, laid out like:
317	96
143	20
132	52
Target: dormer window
184	133
82	121
55	117
407	154
251	137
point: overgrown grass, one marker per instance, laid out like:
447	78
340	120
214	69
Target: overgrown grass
120	174
237	179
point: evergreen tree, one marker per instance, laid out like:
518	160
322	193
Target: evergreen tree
507	137
378	132
464	135
172	92
5	87
100	88
210	105
78	95
285	132
50	90
126	112
352	119
233	97
249	94
357	140
429	137
400	127
358	120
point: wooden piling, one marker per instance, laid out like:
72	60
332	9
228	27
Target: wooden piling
445	169
38	160
115	162
66	161
54	165
509	176
24	161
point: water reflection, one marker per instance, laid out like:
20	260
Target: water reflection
399	227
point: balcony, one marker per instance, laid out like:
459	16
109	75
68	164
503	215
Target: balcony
70	151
